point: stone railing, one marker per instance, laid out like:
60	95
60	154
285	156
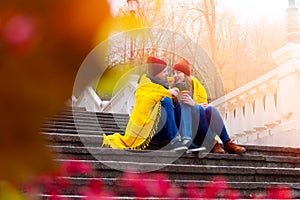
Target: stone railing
252	107
268	105
88	100
123	101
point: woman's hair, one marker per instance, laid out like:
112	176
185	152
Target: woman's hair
189	83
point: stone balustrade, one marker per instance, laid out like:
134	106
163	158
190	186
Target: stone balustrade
268	105
123	101
252	107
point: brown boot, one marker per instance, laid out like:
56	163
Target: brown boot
217	148
233	148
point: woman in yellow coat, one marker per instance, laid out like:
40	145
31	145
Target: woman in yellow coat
207	121
153	114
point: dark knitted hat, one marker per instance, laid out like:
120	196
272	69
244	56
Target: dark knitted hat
184	66
155	65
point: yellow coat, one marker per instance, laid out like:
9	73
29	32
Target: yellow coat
200	95
144	120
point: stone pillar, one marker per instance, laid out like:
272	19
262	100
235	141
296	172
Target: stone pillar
288	60
293	32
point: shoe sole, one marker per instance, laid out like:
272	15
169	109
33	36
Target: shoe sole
196	150
180	149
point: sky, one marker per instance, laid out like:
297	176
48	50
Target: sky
246	9
253	9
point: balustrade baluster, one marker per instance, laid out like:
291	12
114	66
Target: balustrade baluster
259	112
271	113
229	122
248	121
239	117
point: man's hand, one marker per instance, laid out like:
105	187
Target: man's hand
174	91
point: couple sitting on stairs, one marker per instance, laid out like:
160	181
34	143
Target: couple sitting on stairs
173	117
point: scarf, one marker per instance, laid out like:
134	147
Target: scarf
143	122
154	79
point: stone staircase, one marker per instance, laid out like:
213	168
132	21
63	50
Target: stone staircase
78	134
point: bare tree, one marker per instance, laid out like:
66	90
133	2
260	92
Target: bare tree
241	51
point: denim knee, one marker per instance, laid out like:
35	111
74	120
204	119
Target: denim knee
211	109
199	111
212	112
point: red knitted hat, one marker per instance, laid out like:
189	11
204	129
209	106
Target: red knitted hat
184	66
155	65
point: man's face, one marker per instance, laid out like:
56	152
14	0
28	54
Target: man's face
163	74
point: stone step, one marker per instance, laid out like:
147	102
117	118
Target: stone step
102	127
90	115
71	131
86	114
85	121
273	150
104	154
84	131
74	137
77	136
78	197
100	114
73	140
246	189
89	125
103	123
176	171
86	126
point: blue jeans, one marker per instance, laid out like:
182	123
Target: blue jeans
167	129
216	123
206	124
184	120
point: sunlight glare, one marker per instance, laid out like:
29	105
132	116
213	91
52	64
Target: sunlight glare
254	9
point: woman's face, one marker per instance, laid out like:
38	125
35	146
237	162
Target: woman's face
178	76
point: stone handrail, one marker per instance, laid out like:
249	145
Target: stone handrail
268	103
124	100
88	100
252	107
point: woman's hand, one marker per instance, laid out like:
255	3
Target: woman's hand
174	91
187	99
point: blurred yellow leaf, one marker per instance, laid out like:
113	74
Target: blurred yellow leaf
112	80
40	54
8	192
